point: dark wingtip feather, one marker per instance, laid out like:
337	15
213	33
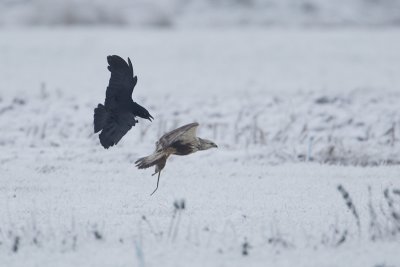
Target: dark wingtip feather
99	118
116	61
112	59
105	142
130	66
134	80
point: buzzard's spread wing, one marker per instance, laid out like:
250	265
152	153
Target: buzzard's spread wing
121	84
117	126
184	134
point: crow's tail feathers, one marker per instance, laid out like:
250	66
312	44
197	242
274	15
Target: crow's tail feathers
149	161
100	118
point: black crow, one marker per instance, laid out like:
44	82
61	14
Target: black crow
182	141
117	116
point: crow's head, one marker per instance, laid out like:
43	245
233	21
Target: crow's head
140	111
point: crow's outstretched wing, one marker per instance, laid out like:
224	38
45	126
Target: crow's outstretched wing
121	84
117	126
184	134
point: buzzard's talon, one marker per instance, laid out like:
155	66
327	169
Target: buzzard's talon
158	180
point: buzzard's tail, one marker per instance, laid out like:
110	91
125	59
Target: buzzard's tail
100	118
149	161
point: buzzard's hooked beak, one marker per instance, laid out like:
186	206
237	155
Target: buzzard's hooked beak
215	145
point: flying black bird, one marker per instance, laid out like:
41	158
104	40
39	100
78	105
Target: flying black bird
117	116
181	141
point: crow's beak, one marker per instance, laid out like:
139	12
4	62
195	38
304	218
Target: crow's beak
150	118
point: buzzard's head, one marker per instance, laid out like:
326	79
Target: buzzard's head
206	144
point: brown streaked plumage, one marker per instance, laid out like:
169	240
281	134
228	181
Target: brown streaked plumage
181	141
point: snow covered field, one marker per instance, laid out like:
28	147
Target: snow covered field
295	114
205	13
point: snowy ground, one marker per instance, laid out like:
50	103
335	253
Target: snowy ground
295	115
203	14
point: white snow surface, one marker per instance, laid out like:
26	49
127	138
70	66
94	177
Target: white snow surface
201	14
295	114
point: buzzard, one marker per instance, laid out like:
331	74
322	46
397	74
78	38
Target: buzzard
118	114
181	141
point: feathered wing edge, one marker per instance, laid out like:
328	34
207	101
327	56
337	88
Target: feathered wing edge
151	160
170	137
122	74
100	118
134	80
